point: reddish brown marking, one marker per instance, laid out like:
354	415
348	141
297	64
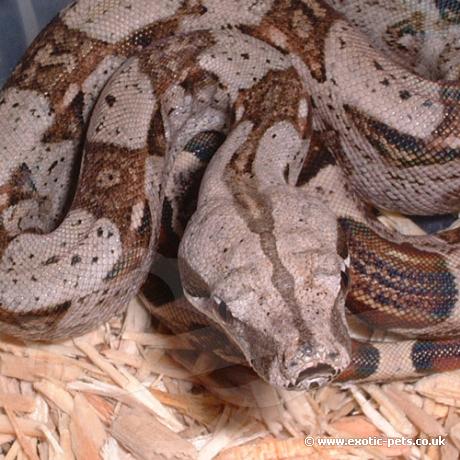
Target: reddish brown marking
436	355
317	159
115	202
39	323
404	151
305	25
365	360
53	79
166	60
273	99
395	285
450	236
394	32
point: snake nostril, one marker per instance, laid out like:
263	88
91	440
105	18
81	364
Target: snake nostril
302	352
344	279
333	355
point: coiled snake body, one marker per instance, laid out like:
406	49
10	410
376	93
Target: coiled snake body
135	96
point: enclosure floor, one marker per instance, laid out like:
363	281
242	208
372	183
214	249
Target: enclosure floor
117	394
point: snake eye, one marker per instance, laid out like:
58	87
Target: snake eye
345	280
222	310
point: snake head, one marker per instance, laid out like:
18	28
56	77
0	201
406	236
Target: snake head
271	278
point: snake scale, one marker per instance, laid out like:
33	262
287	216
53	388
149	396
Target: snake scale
298	121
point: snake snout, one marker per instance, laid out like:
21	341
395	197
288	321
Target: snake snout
309	367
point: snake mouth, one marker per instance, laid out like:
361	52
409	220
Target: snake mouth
314	376
312	367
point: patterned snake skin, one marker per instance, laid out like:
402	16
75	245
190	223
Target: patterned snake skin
317	114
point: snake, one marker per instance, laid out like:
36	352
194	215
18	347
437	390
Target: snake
258	143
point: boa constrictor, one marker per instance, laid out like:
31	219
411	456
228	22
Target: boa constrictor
135	96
